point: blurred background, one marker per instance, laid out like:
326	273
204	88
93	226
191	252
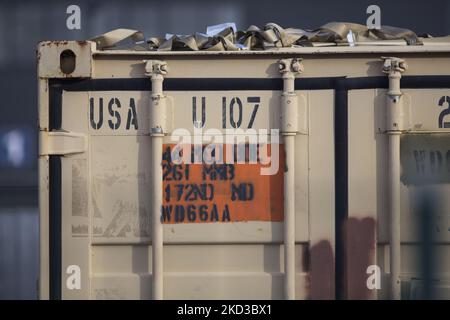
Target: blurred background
23	23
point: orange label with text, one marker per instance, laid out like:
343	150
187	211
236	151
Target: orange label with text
228	192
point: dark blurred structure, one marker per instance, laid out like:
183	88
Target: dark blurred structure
23	23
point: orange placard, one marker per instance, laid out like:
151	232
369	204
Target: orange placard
211	193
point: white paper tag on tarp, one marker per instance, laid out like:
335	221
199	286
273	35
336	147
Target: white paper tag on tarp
351	38
170	35
215	29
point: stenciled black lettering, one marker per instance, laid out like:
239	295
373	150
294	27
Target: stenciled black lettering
191	192
214	213
96	125
435	161
191	213
211	193
167	170
180	188
444	113
167	154
172	172
208	171
224	112
419	156
166	212
238	102
179	213
194	112
114	113
226	214
132	117
203	212
256	101
194	192
186	172
218	171
242	192
167	193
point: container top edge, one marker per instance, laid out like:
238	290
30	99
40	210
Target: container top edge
435	48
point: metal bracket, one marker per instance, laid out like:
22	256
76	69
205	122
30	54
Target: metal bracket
61	143
293	65
397	112
394	67
65	59
156	69
289	68
393	64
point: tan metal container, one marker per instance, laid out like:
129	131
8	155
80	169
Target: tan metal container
356	144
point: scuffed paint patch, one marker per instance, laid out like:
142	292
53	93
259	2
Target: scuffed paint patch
119	203
127	221
98	231
80	230
110	294
79	223
79	188
97	212
425	159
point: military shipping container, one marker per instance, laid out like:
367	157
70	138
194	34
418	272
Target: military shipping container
287	172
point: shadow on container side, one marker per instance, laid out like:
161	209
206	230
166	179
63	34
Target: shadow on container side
426	174
427	286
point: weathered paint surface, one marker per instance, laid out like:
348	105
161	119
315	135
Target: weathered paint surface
241	258
425	159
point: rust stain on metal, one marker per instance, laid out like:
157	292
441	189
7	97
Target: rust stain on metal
82	43
321	266
360	253
59	43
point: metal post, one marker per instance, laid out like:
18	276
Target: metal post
289	128
156	69
394	210
394	103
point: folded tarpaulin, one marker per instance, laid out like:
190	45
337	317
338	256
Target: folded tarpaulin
255	38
